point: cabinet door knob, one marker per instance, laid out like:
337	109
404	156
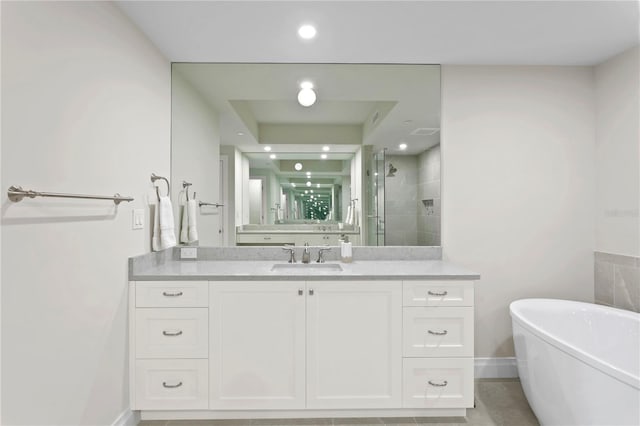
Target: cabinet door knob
172	333
438	385
176	294
311	292
171	386
438	333
431	293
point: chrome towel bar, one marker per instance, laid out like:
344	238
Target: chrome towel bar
154	178
202	203
16	193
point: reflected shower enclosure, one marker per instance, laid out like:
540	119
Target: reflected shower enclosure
404	198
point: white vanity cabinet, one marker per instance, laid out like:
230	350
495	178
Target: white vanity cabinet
293	345
257	345
294	348
437	344
169	349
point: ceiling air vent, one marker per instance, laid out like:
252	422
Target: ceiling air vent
425	131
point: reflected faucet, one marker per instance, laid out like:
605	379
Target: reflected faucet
306	255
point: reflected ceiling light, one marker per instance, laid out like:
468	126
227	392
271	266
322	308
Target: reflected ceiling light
307	32
325	148
318	185
272	156
267	148
402	146
323	156
308	183
306	95
240	134
293	184
308	174
306	192
311	191
298	166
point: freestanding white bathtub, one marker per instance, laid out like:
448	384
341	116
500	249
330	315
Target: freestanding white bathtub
579	363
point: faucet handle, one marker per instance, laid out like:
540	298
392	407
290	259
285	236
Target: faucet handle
292	252
321	252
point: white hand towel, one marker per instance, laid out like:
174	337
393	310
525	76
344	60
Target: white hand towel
188	230
163	234
349	215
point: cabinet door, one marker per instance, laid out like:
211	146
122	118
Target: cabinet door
354	357
257	345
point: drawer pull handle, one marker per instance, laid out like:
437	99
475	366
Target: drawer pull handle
438	385
431	293
438	333
172	334
171	386
176	294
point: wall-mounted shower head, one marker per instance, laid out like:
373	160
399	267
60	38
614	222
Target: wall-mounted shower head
392	171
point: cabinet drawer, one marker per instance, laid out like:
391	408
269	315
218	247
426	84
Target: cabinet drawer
437	332
265	239
437	382
172	294
172	332
437	293
171	384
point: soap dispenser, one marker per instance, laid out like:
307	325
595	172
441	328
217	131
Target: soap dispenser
306	255
345	251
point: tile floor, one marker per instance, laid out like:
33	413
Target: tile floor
499	402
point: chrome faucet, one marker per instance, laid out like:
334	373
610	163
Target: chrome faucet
292	252
320	254
306	256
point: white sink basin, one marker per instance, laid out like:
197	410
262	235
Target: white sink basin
306	267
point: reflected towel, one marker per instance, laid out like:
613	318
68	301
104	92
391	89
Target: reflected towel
188	230
349	215
163	234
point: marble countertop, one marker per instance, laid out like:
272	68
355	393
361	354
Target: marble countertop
261	270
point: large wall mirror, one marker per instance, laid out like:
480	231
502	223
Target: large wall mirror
308	153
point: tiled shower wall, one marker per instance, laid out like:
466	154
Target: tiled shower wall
617	281
429	189
400	218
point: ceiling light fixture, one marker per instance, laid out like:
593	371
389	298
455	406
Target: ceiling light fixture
308	183
402	146
267	148
317	185
297	166
307	32
240	134
325	148
272	156
306	95
293	184
323	156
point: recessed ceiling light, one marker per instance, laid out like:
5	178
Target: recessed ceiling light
311	191
240	134
323	156
318	185
307	31
298	166
293	184
272	156
402	146
306	192
308	174
267	148
308	183
325	148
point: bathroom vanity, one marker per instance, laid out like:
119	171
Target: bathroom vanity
262	338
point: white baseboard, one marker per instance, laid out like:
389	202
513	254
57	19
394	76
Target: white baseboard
127	418
495	368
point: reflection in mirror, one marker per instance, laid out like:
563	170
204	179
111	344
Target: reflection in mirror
362	162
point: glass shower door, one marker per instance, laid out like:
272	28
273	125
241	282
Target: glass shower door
375	213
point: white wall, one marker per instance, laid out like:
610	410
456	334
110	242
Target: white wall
86	109
617	84
518	187
195	158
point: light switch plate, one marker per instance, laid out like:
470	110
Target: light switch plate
189	253
137	221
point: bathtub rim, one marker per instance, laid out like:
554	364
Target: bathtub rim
604	367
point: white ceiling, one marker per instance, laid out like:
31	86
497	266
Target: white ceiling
435	32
